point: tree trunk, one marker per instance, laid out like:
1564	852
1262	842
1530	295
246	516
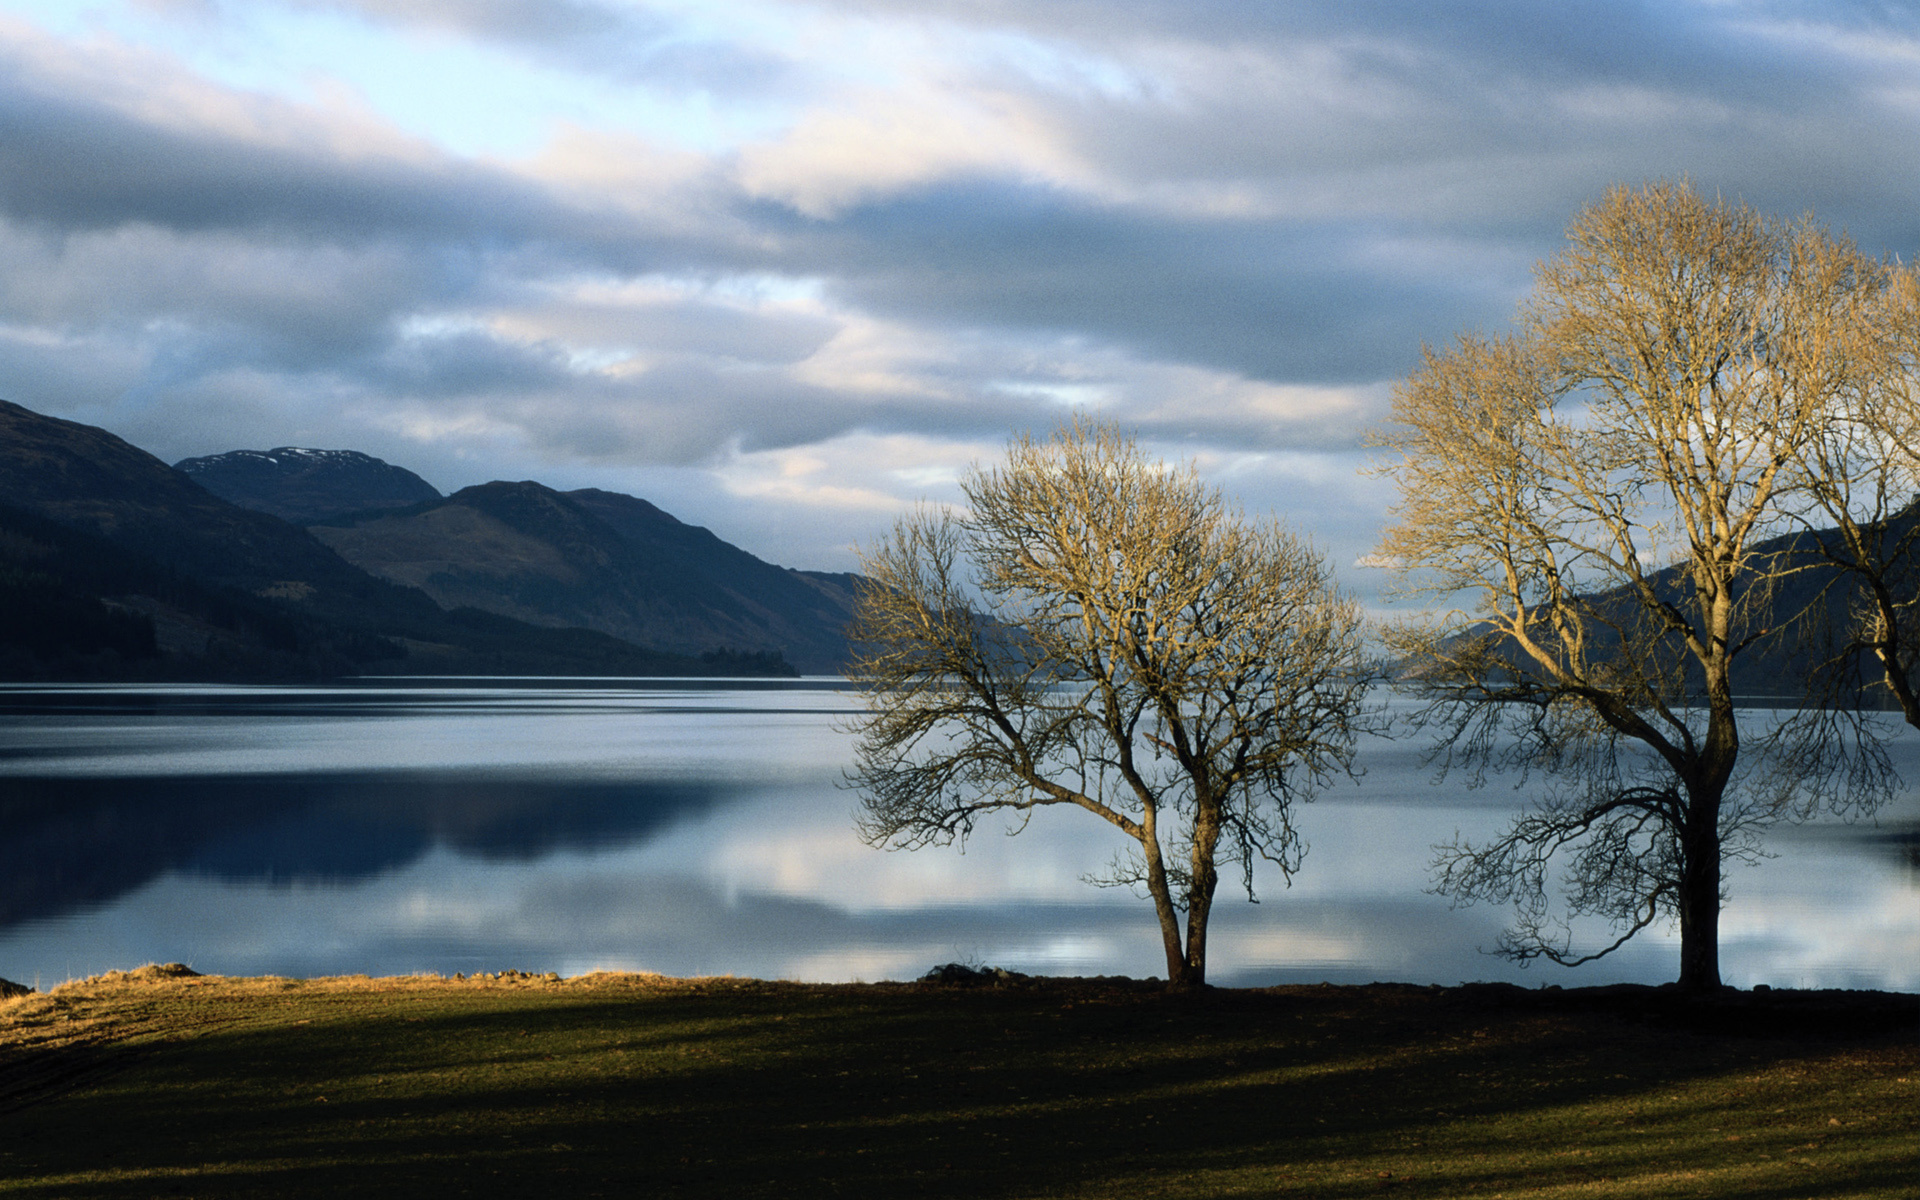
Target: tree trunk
1706	789
1205	879
1177	974
1699	899
1700	932
1199	907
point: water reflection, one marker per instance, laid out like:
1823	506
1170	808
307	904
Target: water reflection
77	842
697	827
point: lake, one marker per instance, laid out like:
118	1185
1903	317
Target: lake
699	827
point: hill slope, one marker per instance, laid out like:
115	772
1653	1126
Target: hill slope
604	561
228	592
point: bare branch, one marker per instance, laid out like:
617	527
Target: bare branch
1612	495
1104	632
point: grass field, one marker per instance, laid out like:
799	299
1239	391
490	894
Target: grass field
157	1084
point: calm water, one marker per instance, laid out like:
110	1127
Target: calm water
698	828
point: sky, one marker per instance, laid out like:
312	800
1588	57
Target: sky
786	269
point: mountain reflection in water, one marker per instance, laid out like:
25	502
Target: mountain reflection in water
76	842
699	827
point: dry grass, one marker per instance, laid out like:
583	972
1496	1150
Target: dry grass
155	1083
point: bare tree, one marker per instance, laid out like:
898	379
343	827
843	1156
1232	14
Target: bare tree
1609	489
1862	476
1104	632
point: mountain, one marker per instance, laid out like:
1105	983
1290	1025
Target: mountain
52	616
304	486
602	561
91	526
89	480
1795	625
74	605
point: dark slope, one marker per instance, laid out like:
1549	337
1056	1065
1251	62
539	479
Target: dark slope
87	479
74	605
90	481
1805	629
803	613
604	561
1794	639
304	486
233	593
53	622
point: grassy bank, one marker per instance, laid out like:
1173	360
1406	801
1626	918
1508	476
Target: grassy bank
151	1084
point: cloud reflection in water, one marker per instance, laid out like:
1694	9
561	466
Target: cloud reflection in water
700	829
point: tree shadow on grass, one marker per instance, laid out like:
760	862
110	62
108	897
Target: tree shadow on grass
1058	1089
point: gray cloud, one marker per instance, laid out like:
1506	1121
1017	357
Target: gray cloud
1244	201
1307	301
1505	114
71	164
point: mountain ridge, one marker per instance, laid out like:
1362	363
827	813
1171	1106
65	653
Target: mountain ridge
302	486
587	558
236	593
600	560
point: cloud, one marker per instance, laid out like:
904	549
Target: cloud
1306	301
853	149
624	42
901	231
877	476
771	321
84	146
